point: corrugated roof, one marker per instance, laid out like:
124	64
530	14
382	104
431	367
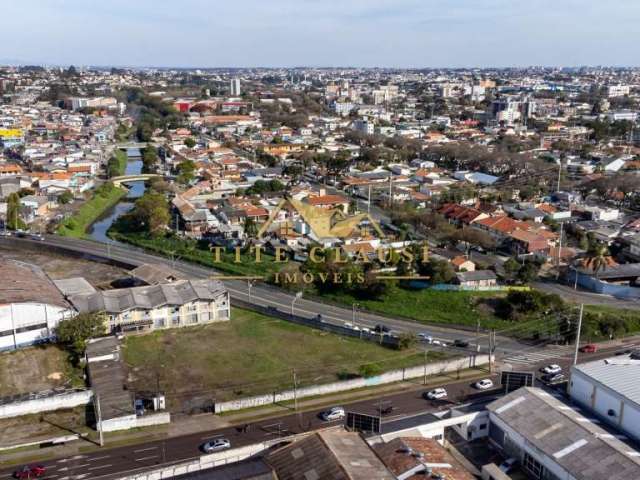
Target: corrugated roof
619	373
27	283
566	436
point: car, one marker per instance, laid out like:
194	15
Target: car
334	413
439	343
216	445
460	343
628	351
425	337
508	465
5	233
484	384
381	328
36	236
33	471
553	377
139	406
435	394
589	348
552	369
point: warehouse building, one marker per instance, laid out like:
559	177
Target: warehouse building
31	306
553	440
610	388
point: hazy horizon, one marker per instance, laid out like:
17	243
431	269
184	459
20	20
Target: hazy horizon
321	34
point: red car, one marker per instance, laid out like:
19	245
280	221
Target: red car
590	348
27	472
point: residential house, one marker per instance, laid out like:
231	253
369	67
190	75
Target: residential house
476	279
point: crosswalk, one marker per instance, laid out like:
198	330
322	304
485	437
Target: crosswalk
538	356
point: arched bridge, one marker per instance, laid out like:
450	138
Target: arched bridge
133	178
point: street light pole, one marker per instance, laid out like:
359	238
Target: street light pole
575	355
293	301
249	285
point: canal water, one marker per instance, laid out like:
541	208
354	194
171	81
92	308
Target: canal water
98	230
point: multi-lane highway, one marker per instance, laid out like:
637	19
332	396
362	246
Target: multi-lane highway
269	296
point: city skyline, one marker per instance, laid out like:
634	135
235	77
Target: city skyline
378	33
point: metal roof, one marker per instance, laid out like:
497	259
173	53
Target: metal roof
560	431
619	374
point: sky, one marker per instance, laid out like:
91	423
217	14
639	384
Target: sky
323	33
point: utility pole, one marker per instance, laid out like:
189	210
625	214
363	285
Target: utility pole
559	174
99	419
295	390
478	336
293	301
369	201
426	355
249	285
560	249
575	355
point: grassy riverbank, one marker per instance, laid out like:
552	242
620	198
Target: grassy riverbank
104	197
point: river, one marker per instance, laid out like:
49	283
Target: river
98	230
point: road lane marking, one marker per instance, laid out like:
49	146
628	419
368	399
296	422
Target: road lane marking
146	458
99	467
93	459
145	449
211	437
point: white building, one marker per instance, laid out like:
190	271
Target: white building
553	440
31	306
235	87
617	90
364	126
610	389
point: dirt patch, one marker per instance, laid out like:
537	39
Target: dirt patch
39	427
59	266
36	369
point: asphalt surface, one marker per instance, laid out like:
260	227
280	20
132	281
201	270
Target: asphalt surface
269	296
109	463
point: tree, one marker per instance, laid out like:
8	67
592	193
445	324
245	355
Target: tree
250	227
65	197
528	272
74	332
14	222
149	159
189	142
598	258
151	213
186	172
511	267
440	271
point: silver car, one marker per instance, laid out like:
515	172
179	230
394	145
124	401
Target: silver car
216	445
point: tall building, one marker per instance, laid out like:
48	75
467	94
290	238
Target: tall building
235	87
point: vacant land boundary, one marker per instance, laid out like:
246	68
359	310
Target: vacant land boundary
250	355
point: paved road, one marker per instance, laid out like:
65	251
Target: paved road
568	293
107	463
265	295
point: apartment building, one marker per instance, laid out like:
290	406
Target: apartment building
141	309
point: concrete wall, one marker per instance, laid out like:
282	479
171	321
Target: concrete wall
45	403
388	377
128	422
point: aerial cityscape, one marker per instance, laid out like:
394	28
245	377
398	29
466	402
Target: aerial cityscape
309	240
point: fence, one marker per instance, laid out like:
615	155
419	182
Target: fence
43	402
596	285
127	422
315	322
328	388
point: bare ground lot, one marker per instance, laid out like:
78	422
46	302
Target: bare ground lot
44	426
249	355
36	369
58	266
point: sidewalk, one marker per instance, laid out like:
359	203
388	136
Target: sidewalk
185	424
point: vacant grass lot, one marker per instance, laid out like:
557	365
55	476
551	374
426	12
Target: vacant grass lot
432	306
189	250
249	355
36	369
